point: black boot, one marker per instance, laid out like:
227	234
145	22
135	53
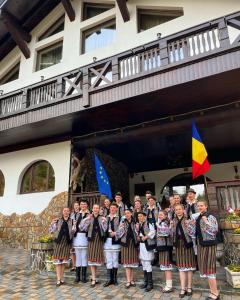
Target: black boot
77	279
145	282
150	282
110	278
115	271
84	274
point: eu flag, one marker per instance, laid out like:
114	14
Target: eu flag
102	179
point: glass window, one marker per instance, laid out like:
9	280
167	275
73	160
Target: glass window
93	9
58	26
2	184
148	18
38	178
99	36
13	74
49	56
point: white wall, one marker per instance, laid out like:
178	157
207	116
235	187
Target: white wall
218	172
12	165
195	12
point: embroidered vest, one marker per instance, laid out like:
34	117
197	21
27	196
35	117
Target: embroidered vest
144	229
164	241
180	230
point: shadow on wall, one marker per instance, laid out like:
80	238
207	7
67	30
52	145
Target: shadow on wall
19	231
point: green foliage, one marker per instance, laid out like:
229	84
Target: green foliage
234	268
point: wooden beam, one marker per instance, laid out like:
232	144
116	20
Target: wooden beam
122	4
69	9
19	35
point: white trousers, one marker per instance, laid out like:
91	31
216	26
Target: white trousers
81	257
147	265
111	257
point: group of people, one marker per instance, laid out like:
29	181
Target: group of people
119	233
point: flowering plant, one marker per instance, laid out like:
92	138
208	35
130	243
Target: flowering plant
233	215
234	268
45	239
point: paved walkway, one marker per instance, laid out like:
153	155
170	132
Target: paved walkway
18	283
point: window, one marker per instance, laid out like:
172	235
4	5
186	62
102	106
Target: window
92	9
99	36
58	26
2	184
13	74
49	56
148	18
39	177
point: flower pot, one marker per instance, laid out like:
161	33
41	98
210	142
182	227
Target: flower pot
49	265
233	278
227	225
42	246
232	238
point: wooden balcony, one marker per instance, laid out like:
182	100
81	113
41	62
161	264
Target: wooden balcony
189	55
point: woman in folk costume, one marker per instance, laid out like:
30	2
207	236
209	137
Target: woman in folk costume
185	258
129	252
205	228
62	233
74	216
112	246
146	237
152	210
165	247
105	209
137	208
191	206
80	243
170	210
95	225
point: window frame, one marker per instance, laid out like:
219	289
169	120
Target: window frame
45	49
51	28
93	29
93	4
5	78
175	12
31	168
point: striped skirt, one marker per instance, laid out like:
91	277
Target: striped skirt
185	257
61	251
207	260
95	251
129	256
165	260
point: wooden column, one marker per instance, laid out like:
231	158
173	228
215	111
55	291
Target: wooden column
19	35
122	4
163	46
223	34
69	9
85	87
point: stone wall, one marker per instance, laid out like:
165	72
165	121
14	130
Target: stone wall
19	231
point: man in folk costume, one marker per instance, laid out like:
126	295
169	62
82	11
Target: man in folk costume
121	206
112	246
62	234
105	209
191	207
146	234
204	228
152	210
95	225
80	243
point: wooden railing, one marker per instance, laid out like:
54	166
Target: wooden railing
187	46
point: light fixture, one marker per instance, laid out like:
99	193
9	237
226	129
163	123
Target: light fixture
94	59
159	35
236	172
42	78
1	92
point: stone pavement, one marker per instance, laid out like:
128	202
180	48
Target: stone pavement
17	282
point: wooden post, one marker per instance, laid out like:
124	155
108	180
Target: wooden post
85	87
206	190
163	46
223	34
69	9
122	4
115	69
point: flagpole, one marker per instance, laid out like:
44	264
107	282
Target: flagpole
206	188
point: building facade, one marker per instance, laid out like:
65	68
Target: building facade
121	78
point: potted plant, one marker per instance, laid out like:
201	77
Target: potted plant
233	237
44	243
49	263
232	219
233	275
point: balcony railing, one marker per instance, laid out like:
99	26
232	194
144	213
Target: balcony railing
187	46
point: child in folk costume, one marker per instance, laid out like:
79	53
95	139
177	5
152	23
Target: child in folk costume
137	208
62	233
121	206
129	252
191	206
95	225
80	243
105	209
205	228
185	258
112	246
170	210
165	247
146	236
152	209
74	216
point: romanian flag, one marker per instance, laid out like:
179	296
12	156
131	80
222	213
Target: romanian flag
200	164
